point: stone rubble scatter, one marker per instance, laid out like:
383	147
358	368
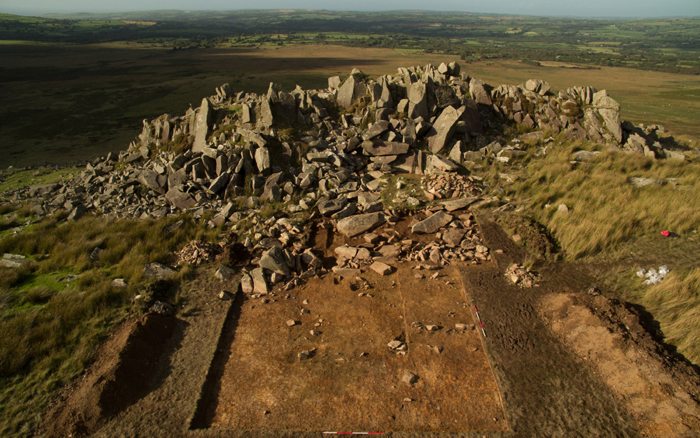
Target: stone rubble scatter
333	155
521	276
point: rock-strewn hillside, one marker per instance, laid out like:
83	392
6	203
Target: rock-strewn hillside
281	146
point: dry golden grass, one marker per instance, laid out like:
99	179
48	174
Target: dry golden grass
674	304
605	210
611	223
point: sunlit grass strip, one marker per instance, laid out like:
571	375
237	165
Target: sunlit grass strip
605	210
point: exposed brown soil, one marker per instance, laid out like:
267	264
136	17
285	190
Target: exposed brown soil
353	380
660	396
129	365
537	370
550	365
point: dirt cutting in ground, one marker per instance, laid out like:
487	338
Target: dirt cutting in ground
353	380
560	367
556	360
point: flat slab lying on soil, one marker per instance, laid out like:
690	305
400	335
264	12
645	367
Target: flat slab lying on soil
353	381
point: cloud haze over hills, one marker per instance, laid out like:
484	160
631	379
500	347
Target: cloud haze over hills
592	8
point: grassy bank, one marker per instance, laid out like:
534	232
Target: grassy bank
604	209
615	227
58	307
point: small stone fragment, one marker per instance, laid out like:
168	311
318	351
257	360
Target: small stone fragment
304	355
409	378
381	268
395	344
225	295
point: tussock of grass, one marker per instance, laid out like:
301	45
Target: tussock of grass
604	209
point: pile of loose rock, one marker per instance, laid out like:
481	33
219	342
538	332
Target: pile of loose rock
521	276
234	154
285	153
197	252
443	186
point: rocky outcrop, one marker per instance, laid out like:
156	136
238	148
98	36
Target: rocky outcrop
228	158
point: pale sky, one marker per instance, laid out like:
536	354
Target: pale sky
588	8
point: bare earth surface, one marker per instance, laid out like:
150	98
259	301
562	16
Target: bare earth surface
353	381
555	361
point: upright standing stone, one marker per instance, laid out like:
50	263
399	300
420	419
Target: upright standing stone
202	126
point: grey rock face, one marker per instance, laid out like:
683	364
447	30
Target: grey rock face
432	224
377	129
273	260
438	164
443	129
479	93
179	199
327	208
354	225
418	101
153	181
202	126
219	183
458	204
262	159
259	281
384	148
266	117
350	91
157	270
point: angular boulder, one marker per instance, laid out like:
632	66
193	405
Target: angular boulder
201	129
153	181
458	204
179	199
384	148
350	91
443	129
273	260
354	225
432	224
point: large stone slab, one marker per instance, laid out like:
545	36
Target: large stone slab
179	199
377	129
443	129
479	93
458	204
432	224
273	260
201	129
153	181
328	207
354	225
437	164
262	159
259	281
350	91
384	148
